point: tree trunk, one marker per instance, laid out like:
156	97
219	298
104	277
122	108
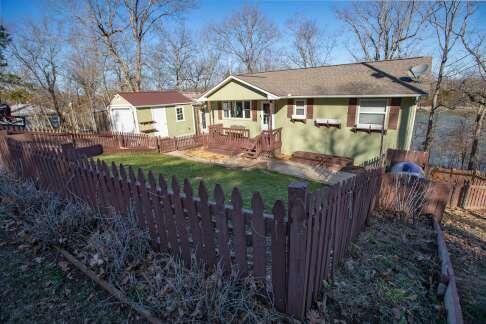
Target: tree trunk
474	156
55	103
435	100
138	66
428	135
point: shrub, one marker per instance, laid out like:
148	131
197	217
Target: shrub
189	295
119	241
46	216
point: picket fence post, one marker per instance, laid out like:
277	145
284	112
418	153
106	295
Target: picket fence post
298	256
465	195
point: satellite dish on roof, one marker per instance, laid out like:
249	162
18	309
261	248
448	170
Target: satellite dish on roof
415	72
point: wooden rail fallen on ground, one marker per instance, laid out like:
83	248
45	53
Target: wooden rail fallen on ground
451	297
109	288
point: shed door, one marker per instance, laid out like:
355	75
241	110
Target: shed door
123	120
160	119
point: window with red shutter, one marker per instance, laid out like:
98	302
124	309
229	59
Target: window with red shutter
372	113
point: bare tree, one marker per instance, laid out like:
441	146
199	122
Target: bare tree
474	88
383	29
112	27
85	68
205	69
247	35
474	44
447	19
178	55
37	49
309	48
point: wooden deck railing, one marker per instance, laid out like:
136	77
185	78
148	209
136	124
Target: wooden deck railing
268	141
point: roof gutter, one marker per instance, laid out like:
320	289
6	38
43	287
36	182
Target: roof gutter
157	105
358	96
339	96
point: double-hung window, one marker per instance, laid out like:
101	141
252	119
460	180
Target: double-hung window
299	108
179	113
236	109
226	108
372	113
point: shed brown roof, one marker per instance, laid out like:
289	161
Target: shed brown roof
153	98
389	77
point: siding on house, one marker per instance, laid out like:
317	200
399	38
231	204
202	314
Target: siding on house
175	128
253	126
236	91
179	128
299	136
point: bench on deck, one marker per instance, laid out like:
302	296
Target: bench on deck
331	162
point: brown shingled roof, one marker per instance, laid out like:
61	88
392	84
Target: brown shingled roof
388	77
153	98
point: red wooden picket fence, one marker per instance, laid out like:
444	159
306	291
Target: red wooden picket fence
290	251
468	188
232	140
402	192
393	156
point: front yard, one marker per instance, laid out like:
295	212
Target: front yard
271	185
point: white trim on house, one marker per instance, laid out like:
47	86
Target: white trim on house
204	97
294	113
357	96
272	113
183	114
229	110
165	127
125	107
373	126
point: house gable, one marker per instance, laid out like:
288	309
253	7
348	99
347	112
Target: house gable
234	90
119	101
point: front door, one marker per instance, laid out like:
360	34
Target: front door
160	121
266	115
203	121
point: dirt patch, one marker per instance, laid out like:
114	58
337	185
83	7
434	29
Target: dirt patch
207	155
465	234
390	275
39	287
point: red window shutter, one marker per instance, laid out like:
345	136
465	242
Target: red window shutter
220	110
290	108
310	108
353	102
394	113
254	104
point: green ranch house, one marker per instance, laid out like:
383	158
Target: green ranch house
354	110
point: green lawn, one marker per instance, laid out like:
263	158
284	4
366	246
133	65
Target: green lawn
271	185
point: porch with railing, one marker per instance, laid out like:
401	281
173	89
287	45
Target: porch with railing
231	140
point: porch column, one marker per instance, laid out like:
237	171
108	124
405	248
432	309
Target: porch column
211	113
270	110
